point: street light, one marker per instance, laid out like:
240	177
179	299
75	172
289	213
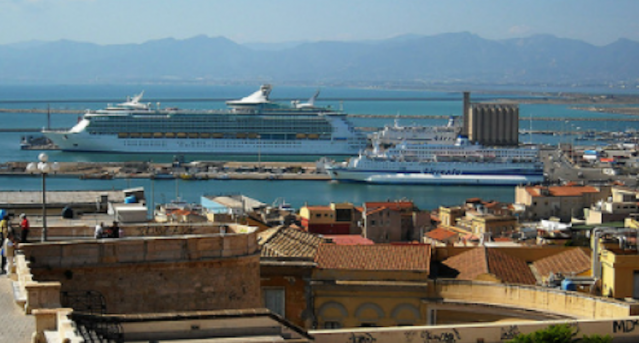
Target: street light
43	167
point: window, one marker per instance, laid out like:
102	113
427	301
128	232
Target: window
332	325
274	300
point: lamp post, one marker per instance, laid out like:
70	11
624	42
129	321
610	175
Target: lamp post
43	167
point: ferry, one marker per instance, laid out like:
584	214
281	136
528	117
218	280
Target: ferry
251	125
417	134
461	163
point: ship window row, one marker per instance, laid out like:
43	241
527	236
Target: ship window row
211	128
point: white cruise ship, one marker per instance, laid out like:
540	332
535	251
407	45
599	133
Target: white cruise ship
252	125
461	163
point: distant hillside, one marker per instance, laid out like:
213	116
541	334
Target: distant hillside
410	59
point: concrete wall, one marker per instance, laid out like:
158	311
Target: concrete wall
625	329
138	275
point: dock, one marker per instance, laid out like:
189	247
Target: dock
193	171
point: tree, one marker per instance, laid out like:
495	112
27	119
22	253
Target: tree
562	333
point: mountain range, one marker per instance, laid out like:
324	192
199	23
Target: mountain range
410	59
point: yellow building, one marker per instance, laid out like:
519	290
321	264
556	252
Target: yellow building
563	202
370	285
620	273
476	222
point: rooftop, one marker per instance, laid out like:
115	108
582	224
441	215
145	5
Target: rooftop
562	191
348	239
393	205
570	261
378	257
288	242
479	261
440	234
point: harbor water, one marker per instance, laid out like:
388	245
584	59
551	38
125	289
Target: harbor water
371	102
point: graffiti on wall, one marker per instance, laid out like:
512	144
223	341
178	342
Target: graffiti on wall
510	332
361	338
625	326
442	337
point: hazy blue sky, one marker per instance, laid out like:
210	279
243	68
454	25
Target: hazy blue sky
135	21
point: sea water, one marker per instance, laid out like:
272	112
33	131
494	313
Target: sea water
356	101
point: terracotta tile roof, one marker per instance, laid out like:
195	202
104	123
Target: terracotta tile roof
288	242
393	205
571	261
408	257
482	260
375	210
440	234
562	191
348	239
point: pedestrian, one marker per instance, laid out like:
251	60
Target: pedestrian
99	231
4	228
115	230
24	228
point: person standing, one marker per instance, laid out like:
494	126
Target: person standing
4	228
99	231
24	228
115	230
4	235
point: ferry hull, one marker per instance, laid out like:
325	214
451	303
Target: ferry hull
345	175
83	142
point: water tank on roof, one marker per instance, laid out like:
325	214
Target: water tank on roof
131	199
3	213
568	285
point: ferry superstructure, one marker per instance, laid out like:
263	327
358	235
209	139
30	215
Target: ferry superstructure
461	163
251	125
416	134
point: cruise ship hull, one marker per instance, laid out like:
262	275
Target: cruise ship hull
495	177
84	142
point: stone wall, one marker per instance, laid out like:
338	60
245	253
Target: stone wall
138	275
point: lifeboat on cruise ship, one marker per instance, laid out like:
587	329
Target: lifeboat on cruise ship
313	136
134	135
123	135
218	135
192	135
252	135
157	135
169	135
181	135
205	135
300	136
240	135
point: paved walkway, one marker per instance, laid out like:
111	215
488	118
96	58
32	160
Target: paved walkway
15	326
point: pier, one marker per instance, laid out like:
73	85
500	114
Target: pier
193	171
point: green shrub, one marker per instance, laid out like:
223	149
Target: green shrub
562	333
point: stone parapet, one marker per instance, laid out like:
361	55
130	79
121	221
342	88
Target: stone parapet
139	250
547	300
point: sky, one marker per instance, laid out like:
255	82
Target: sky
598	22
